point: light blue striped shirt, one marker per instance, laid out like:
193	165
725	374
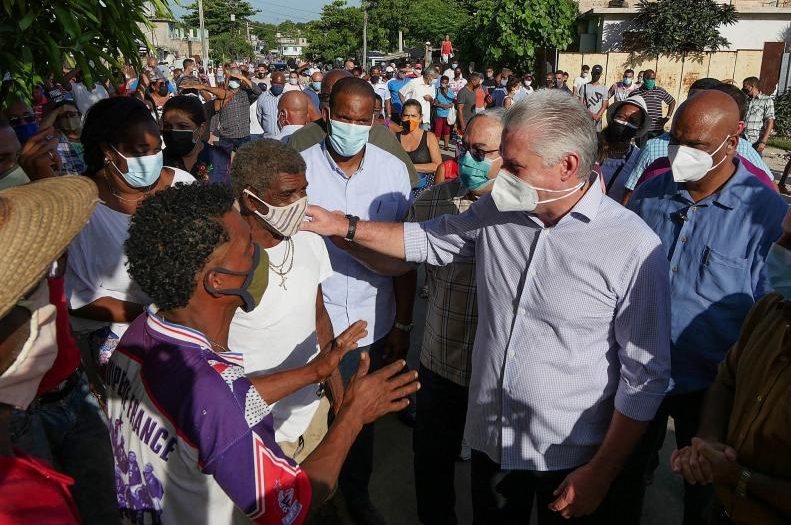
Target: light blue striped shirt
573	321
266	111
378	191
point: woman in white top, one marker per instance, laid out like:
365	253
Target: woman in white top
123	155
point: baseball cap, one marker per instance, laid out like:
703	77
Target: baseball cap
597	70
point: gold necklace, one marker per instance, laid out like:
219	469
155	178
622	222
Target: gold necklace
117	196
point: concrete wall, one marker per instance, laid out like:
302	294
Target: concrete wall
750	32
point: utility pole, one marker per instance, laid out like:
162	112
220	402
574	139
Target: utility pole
203	40
365	36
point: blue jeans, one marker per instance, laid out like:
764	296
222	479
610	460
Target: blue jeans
356	471
234	143
72	434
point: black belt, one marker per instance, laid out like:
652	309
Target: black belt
62	390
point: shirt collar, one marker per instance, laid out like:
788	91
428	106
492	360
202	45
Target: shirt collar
335	166
182	334
588	205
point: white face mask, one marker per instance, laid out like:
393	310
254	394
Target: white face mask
510	193
285	220
19	384
690	164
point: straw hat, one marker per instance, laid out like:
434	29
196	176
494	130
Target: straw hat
37	223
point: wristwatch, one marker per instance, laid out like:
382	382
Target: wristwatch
352	227
404	327
741	485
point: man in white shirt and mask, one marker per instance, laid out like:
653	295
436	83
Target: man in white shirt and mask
287	329
292	113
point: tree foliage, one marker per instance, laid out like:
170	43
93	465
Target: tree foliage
217	16
39	36
227	47
509	32
337	34
681	27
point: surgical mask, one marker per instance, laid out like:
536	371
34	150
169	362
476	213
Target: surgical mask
142	171
234	84
19	383
69	123
527	83
474	173
179	141
348	139
316	86
276	90
690	164
293	81
559	83
504	82
778	269
584	75
627	81
220	78
649	83
454	66
25	131
255	283
510	193
285	220
620	131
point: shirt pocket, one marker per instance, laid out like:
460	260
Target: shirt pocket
721	276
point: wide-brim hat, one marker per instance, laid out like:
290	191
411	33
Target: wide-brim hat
37	223
635	100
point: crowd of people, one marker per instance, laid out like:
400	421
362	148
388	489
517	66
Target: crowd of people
209	278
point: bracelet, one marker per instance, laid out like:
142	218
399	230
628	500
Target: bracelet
404	327
741	485
352	227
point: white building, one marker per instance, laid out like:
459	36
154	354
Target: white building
168	40
290	46
605	25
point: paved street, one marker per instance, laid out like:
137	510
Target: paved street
393	490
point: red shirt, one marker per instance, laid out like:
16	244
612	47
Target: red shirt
451	169
480	98
35	493
68	358
447	47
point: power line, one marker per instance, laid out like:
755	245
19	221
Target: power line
291	8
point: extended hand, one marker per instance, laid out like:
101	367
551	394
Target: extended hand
580	493
369	397
325	222
330	356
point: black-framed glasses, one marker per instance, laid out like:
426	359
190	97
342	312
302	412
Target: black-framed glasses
477	153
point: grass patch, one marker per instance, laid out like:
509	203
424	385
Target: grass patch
780	142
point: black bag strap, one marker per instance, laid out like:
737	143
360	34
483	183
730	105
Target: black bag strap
618	171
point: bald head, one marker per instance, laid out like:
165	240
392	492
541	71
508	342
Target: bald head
331	78
292	108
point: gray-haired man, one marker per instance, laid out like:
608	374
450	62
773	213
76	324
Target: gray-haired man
571	357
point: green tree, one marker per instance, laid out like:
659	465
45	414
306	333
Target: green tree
337	34
226	47
38	36
681	27
217	16
508	32
431	20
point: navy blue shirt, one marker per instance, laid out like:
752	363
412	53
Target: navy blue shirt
716	249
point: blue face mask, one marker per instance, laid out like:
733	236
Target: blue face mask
142	171
234	84
347	139
277	90
25	131
778	269
474	173
316	86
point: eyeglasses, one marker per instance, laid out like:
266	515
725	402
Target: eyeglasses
477	153
16	120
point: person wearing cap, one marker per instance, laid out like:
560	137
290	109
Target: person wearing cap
594	96
37	221
717	223
626	120
181	408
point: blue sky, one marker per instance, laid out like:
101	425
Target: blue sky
276	11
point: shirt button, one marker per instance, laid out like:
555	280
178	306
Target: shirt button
759	398
674	269
523	311
693	208
684	239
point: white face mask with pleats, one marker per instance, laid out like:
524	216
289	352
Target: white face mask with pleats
690	164
510	193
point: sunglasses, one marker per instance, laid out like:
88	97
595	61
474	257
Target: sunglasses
16	120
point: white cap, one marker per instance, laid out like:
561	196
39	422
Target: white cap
389	69
634	100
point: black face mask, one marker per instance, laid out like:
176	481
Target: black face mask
375	79
617	132
163	91
178	142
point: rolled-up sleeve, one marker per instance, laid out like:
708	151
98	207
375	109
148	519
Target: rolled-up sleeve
642	331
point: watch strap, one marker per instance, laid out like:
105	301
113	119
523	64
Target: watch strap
404	327
352	227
